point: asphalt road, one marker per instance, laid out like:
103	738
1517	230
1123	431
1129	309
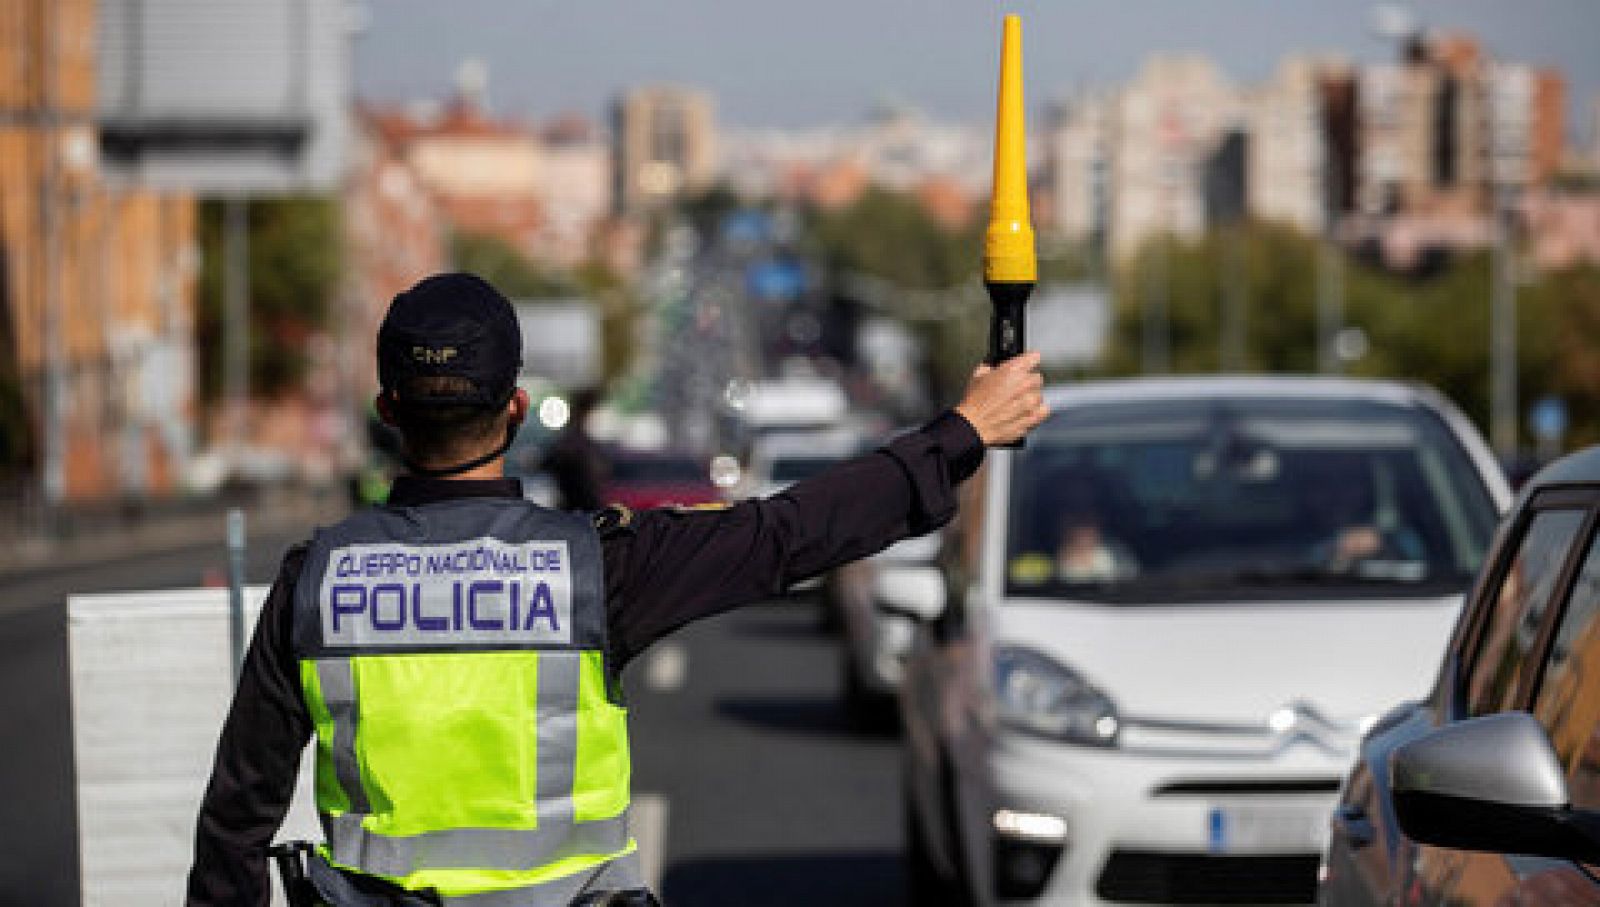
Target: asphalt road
770	797
751	788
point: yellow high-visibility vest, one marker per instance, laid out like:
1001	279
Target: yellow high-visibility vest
453	659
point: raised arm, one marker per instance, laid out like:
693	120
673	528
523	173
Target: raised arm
666	568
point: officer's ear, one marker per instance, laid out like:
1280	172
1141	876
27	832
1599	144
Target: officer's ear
517	406
385	407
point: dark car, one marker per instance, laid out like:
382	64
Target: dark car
645	479
1488	792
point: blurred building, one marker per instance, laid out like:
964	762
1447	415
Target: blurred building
394	235
1226	179
945	166
482	172
1293	165
831	186
902	150
1424	134
1407	158
664	144
1563	228
97	282
1168	122
543	191
1078	174
1445	134
575	187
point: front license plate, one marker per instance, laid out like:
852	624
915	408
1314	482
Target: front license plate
1266	829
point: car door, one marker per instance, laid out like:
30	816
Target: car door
935	689
1507	645
1566	700
1370	860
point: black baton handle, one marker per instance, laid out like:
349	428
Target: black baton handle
291	859
1008	326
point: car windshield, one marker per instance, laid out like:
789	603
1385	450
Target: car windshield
793	469
1203	500
659	469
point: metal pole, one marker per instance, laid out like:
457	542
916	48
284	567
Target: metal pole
1330	306
236	588
1234	293
1503	332
1156	351
235	319
1330	272
53	352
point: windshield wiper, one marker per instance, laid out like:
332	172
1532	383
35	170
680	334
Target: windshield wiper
1366	573
1411	577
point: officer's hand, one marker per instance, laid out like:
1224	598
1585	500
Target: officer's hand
1004	402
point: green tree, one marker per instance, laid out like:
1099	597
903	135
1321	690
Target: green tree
1559	317
295	263
1271	268
498	262
1432	328
619	314
889	235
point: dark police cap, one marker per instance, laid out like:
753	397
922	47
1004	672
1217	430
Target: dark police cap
450	325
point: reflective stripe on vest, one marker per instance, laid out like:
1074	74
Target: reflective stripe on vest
575	810
466	739
620	874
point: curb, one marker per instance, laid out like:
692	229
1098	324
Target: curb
34	555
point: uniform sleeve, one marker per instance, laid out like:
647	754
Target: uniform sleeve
668	567
253	777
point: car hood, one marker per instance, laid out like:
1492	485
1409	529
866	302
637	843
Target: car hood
1241	663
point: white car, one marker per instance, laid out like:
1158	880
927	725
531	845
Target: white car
780	459
1158	630
875	641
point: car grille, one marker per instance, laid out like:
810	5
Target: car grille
1249	787
1140	877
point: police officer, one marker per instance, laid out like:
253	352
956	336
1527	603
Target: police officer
456	652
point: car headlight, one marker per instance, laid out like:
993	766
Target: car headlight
1038	694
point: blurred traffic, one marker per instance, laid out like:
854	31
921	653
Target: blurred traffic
1250	619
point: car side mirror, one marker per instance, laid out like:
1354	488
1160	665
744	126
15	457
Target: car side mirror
911	590
918	549
1491	784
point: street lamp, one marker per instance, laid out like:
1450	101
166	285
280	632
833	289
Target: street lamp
1507	169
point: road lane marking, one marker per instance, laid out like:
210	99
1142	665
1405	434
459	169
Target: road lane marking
666	667
648	825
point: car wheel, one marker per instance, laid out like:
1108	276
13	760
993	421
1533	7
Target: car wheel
924	883
868	712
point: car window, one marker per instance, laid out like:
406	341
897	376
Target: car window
1214	499
1518	609
1568	703
659	469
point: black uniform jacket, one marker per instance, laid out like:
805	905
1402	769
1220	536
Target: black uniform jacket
663	568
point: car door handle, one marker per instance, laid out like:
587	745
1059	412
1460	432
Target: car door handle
1351	821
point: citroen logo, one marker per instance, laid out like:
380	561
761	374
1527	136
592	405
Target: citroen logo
1299	720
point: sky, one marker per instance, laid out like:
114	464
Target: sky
808	62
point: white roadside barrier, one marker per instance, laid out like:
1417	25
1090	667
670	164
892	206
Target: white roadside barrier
151	679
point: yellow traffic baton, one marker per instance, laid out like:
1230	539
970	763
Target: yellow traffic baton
1010	264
